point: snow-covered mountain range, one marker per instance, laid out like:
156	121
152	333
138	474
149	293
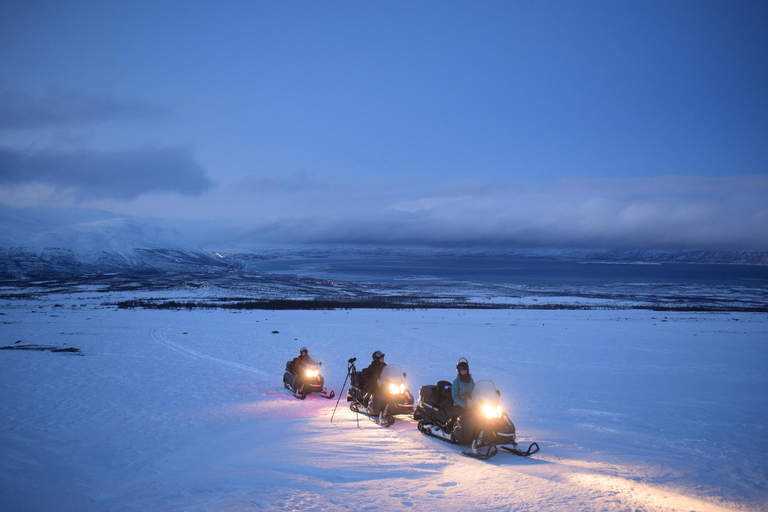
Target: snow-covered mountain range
72	244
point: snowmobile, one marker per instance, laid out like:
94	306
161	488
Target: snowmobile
391	395
483	426
307	379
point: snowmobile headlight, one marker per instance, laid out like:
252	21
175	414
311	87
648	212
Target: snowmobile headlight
397	389
312	373
490	411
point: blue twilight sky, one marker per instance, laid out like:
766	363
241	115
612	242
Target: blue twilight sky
519	123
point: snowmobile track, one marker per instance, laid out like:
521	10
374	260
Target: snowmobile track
390	421
425	428
159	335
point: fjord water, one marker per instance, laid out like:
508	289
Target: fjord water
505	269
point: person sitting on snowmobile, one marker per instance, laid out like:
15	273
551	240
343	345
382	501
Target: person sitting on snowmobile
461	390
303	352
375	398
463	385
371	374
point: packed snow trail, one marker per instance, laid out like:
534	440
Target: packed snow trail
159	335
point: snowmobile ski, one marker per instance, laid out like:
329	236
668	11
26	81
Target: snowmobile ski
324	394
480	450
530	451
482	453
382	421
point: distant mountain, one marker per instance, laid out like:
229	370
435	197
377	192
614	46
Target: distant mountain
53	243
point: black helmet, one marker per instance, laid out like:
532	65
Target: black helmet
377	355
462	365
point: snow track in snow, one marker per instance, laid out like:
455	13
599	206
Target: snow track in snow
158	334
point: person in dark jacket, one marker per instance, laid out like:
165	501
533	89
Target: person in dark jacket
375	397
371	374
303	352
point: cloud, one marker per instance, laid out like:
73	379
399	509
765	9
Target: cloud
257	183
23	110
91	174
673	212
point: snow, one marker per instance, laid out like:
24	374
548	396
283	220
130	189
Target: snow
185	410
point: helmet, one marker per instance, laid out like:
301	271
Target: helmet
303	349
462	365
377	355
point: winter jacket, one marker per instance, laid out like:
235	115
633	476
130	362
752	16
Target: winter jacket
461	391
371	374
297	362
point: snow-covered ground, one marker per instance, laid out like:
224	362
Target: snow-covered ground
185	410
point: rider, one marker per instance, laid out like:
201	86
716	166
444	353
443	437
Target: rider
299	359
461	390
371	373
463	385
375	400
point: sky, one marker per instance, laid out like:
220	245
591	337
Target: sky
517	123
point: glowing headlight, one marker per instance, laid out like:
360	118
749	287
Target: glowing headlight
397	389
490	411
312	373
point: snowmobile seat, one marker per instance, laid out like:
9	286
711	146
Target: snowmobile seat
437	395
428	394
436	403
289	366
444	394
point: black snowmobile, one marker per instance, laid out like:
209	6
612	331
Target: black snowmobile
484	426
390	398
306	379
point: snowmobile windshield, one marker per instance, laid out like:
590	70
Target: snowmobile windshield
309	368
392	374
486	399
308	361
391	379
485	391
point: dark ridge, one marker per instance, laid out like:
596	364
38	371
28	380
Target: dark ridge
405	303
42	348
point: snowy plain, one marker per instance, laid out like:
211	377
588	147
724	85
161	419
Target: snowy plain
167	410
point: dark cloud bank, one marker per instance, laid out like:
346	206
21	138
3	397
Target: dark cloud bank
123	174
90	174
23	110
656	213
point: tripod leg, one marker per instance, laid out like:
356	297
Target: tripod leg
340	393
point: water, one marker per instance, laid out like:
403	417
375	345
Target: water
512	270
